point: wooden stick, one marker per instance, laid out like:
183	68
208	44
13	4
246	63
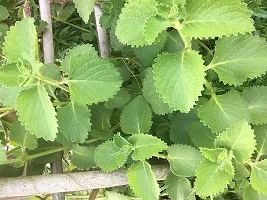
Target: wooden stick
68	182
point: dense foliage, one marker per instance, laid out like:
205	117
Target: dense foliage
185	85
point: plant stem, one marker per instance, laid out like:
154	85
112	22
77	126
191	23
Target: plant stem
205	47
258	157
4	114
92	141
71	24
12	150
52	82
31	157
115	127
210	88
63	103
6	109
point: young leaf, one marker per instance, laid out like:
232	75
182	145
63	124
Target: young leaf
21	136
211	179
241	171
119	100
74	122
83	157
236	138
136	117
222	111
238	58
109	157
152	97
119	141
145	146
21	41
116	196
8	96
261	137
214	155
36	112
256	98
215	18
3	13
258	178
250	193
143	181
183	159
92	79
201	136
135	12
178	188
3	157
84	8
179	79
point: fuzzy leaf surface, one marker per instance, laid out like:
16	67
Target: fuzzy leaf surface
92	79
261	137
236	138
136	117
214	155
250	193
119	100
8	96
83	157
3	13
179	79
222	111
183	159
258	178
143	181
84	8
238	58
145	146
74	122
34	106
215	18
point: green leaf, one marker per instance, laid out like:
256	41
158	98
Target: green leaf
109	157
211	179
183	159
8	96
135	12
136	117
3	157
22	137
74	122
21	41
174	42
261	137
178	188
3	13
143	181
214	155
119	141
222	111
83	157
179	79
241	171
238	58
78	50
145	146
92	79
236	138
201	136
250	193
258	178
119	100
256	98
152	97
215	18
84	8
116	196
36	112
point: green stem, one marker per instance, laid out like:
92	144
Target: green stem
63	103
115	127
204	46
4	114
12	150
187	42
160	156
31	157
92	141
52	82
71	24
6	109
258	157
210	88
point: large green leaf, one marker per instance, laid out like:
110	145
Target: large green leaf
222	111
92	79
215	18
22	137
250	193
3	157
152	97
261	137
131	24
238	58
74	122
136	117
258	178
21	41
179	188
145	146
179	79
143	181
211	179
183	159
236	138
84	8
83	157
36	112
256	98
